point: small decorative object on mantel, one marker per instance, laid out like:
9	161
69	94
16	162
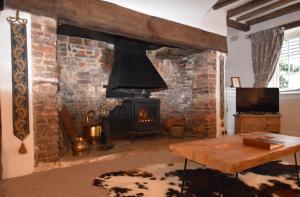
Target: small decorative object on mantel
19	79
235	82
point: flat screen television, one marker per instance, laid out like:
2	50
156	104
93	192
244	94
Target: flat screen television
257	100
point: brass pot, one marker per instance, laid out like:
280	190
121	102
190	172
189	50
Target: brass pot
94	133
80	147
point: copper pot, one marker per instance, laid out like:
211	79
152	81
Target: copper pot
80	147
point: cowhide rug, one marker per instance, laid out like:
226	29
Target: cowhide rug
164	180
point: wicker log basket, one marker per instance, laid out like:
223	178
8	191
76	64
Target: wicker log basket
174	124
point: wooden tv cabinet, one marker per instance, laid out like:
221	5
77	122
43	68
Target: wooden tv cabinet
245	123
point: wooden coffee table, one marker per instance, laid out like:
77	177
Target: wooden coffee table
229	155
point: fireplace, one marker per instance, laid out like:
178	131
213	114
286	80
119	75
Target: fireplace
136	116
79	67
134	77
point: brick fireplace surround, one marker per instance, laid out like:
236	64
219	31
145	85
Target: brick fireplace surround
71	71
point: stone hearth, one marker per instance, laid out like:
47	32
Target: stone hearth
71	71
123	148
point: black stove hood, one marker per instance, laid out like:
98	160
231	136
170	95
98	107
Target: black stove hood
132	73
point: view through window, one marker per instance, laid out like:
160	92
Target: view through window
287	74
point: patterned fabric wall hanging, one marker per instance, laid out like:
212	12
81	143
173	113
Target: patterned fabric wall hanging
222	100
19	79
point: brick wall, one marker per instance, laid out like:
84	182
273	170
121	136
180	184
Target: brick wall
178	74
191	77
204	94
85	66
44	89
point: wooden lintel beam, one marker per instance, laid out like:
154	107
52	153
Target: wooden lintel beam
283	11
113	19
245	7
223	3
264	9
237	25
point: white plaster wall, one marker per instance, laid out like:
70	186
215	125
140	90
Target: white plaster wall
193	13
239	63
214	21
290	111
239	60
14	164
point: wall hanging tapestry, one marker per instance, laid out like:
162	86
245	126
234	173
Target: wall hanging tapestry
19	79
222	87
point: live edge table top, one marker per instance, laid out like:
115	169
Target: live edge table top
229	155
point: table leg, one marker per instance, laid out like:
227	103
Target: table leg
236	175
295	156
183	178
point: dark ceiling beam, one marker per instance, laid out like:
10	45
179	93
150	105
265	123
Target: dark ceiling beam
283	11
237	25
291	25
223	3
113	19
1	5
245	7
264	9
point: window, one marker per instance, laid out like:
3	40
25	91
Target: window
287	74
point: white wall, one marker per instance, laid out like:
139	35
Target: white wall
289	110
14	164
239	60
239	63
193	13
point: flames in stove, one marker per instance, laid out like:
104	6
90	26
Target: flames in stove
136	116
144	116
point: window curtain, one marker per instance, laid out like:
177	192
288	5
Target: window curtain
266	49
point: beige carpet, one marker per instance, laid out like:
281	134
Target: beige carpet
77	181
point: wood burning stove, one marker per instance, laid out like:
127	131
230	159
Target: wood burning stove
133	76
144	114
136	116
